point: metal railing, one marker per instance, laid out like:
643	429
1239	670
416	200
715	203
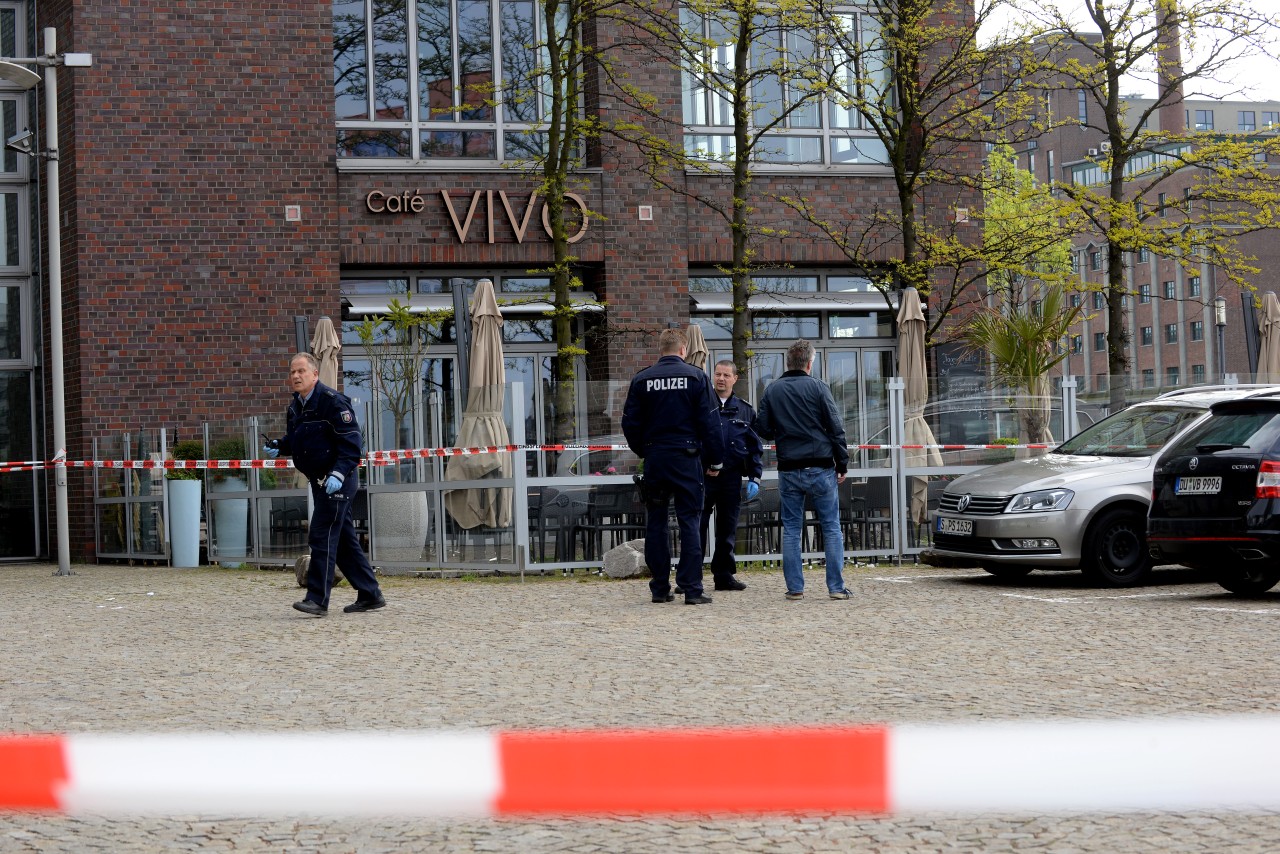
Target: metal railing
560	521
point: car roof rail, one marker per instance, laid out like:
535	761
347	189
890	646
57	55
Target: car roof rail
1257	389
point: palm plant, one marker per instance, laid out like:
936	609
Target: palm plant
1022	344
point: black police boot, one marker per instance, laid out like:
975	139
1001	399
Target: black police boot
307	606
730	583
697	600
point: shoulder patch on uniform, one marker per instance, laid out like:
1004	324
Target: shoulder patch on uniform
346	416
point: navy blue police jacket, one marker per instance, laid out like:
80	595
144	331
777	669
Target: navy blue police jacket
671	407
324	438
743	450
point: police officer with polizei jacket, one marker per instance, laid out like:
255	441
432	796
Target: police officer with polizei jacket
670	422
324	440
743	458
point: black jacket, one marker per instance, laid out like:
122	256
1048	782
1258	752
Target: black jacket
742	447
799	414
671	407
324	437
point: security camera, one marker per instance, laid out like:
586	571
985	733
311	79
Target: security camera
21	142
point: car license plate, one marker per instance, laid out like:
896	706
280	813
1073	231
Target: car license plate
1198	486
957	527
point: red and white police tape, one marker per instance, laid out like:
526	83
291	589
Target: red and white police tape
381	458
1077	766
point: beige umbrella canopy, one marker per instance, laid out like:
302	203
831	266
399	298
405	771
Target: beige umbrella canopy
911	367
1269	340
482	424
325	346
697	352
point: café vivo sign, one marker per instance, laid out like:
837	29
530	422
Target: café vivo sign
379	202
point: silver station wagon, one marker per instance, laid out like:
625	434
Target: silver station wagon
1081	506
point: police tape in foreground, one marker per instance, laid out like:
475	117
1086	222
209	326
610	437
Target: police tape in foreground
1047	766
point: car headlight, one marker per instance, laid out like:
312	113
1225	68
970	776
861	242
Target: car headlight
1040	501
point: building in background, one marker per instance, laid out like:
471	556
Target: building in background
1176	336
219	180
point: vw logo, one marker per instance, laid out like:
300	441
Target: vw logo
1195	461
963	504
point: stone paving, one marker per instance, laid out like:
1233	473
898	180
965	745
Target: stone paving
129	649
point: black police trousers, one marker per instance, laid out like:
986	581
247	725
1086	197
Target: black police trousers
673	476
334	541
724	496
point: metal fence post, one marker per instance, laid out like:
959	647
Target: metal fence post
897	407
519	472
1070	421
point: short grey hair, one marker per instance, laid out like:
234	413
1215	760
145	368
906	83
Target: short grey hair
799	355
311	360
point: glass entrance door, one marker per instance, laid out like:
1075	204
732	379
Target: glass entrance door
859	383
17	489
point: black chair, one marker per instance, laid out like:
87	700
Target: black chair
615	510
539	498
288	523
360	516
870	522
760	522
559	515
921	533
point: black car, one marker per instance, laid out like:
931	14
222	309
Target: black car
1215	498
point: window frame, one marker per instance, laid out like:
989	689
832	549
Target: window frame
504	128
826	131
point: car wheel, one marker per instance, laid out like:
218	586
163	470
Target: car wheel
1249	579
1002	570
1115	549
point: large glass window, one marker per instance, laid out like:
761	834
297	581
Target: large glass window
800	128
10	322
438	79
429	415
17	489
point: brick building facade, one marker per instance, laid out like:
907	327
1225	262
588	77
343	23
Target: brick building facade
206	206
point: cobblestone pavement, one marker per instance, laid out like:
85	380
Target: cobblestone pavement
121	649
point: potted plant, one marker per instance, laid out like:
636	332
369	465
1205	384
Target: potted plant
184	506
230	515
1002	456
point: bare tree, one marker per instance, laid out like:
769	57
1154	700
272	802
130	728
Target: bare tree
914	75
750	68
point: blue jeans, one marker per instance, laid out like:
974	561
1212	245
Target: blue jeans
819	485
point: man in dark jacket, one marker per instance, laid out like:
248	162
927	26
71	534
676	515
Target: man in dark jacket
323	438
742	458
670	422
799	414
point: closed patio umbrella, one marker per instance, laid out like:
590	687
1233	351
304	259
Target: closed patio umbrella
325	346
915	430
1269	340
482	424
696	354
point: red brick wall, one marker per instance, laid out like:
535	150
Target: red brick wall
195	127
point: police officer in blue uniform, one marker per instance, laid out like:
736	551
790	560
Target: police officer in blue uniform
743	453
324	440
670	422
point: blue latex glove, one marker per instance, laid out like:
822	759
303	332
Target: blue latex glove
332	484
270	451
753	489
